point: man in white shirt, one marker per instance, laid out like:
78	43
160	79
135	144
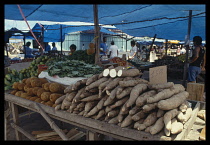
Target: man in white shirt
113	50
133	50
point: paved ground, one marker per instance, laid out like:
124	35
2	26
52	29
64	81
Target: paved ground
20	66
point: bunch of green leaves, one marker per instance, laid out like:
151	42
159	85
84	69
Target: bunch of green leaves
73	68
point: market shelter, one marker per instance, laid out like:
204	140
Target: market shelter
167	21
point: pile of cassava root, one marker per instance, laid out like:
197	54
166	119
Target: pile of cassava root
129	101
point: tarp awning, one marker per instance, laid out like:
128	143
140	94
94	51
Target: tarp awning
167	21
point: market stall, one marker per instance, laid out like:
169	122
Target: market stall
96	125
108	102
121	112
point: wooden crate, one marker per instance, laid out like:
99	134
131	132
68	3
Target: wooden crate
196	91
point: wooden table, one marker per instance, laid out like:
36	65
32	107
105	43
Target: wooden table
92	126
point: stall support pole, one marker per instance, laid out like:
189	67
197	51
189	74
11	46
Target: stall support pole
166	47
61	38
126	44
97	33
153	41
16	120
187	49
24	44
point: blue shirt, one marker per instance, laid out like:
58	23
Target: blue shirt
28	50
47	48
104	46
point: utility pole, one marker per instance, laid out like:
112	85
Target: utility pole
97	33
187	48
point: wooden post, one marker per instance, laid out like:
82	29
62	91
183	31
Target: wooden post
7	120
97	33
24	44
16	120
61	38
91	136
166	47
187	49
126	44
52	123
153	41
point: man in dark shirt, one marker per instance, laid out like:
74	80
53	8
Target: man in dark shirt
197	60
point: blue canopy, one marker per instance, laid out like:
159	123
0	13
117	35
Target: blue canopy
167	21
52	33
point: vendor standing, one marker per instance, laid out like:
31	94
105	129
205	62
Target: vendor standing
113	50
133	50
29	51
47	47
54	48
197	61
72	48
103	47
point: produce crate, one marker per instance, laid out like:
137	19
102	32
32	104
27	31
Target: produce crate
41	68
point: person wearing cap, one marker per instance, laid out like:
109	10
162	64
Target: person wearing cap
197	61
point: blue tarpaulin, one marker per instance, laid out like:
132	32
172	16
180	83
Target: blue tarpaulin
52	33
167	21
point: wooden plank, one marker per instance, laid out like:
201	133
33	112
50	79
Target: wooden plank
16	120
29	136
72	132
86	123
77	136
54	137
40	132
46	134
52	123
49	133
188	125
195	91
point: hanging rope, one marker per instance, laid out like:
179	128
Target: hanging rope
29	26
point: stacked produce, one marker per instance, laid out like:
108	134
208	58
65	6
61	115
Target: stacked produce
32	71
72	68
38	90
82	56
129	101
11	77
119	61
138	62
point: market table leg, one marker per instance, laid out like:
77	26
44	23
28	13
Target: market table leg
16	120
93	136
6	121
